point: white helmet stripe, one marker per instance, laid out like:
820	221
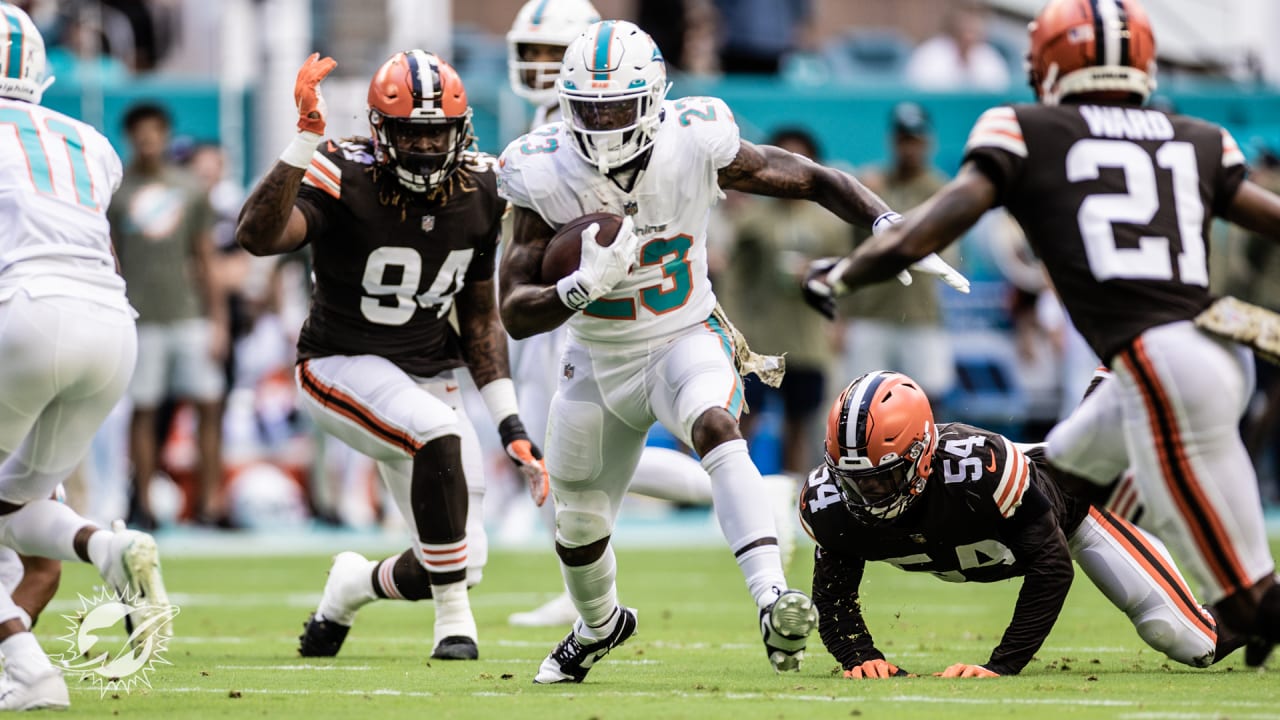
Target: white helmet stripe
1107	23
855	424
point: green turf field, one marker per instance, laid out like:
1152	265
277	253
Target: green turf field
698	654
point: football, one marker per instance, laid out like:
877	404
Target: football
564	252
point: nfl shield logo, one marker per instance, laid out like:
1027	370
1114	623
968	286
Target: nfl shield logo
428	223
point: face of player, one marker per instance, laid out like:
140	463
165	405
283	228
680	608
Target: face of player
607	115
910	152
540	53
423	148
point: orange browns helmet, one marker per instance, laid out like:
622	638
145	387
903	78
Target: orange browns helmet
416	94
880	444
1090	46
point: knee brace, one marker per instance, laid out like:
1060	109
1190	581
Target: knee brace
1173	637
582	517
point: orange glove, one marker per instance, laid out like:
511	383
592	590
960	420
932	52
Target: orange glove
306	93
527	457
960	670
875	669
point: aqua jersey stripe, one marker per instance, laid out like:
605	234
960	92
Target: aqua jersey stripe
735	402
604	38
13	68
537	14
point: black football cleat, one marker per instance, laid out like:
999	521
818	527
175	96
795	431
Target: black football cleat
1256	652
574	657
456	647
321	638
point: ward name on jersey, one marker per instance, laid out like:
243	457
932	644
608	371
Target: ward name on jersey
386	281
1143	187
989	512
669	290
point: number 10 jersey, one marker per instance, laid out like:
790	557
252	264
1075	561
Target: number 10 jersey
1117	202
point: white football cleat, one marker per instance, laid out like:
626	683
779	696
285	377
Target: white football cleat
348	588
133	571
785	626
46	689
556	612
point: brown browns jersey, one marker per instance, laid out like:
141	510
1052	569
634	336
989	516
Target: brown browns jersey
988	512
1117	202
388	262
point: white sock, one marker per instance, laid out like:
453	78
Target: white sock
745	519
594	591
23	656
669	475
45	528
453	611
100	549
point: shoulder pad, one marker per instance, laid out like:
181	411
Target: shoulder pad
998	128
711	124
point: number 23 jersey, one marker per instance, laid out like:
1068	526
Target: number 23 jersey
1117	202
669	290
388	262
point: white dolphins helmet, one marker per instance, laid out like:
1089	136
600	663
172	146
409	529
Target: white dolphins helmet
612	85
22	60
544	22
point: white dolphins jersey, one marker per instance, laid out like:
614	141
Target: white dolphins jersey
669	291
57	176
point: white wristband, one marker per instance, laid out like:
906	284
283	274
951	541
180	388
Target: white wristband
571	292
884	222
300	150
500	397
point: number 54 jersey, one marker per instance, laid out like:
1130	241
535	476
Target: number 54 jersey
985	510
671	206
1117	202
389	262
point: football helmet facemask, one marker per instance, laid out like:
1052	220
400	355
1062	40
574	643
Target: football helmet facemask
1091	46
880	444
22	56
611	86
420	119
554	23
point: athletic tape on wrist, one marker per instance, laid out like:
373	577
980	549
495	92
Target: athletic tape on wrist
500	397
300	150
884	222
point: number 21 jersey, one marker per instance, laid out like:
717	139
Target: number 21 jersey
1117	202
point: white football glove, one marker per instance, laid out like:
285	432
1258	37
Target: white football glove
600	268
934	265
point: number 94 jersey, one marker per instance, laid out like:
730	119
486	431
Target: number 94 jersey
1117	202
669	290
388	262
975	521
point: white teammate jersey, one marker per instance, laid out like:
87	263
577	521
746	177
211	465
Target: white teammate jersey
57	176
669	291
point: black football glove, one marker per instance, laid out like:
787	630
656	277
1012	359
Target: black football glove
526	456
818	293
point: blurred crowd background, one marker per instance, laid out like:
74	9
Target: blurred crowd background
197	98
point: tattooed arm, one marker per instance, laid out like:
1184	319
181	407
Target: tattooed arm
269	222
529	306
484	342
768	170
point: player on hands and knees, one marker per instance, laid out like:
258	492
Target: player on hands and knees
646	341
402	228
69	346
535	50
968	505
1117	201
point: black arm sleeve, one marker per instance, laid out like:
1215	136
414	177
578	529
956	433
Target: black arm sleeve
1038	543
840	623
